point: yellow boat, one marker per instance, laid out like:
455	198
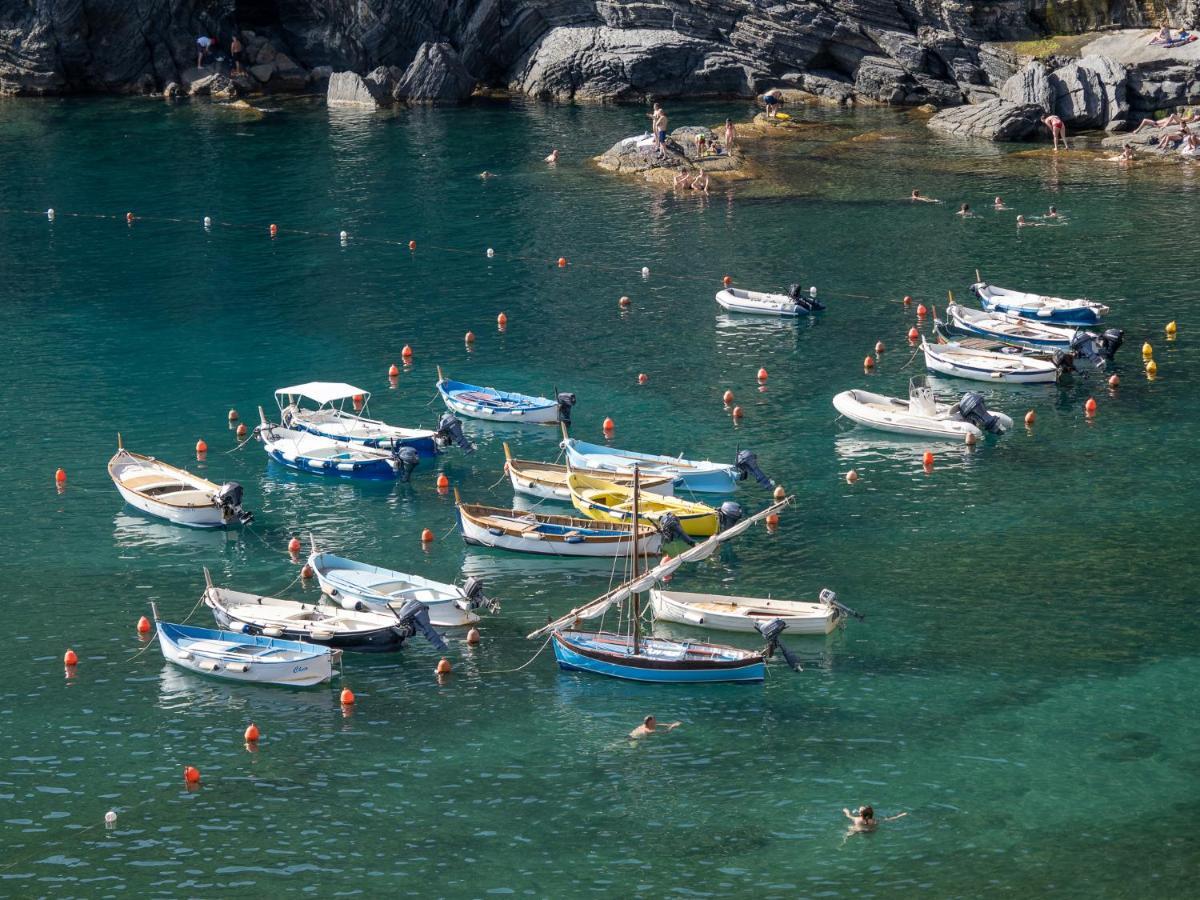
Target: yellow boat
606	501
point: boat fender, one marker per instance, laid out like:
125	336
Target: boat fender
672	529
770	632
973	410
728	515
574	539
565	402
406	459
747	465
450	431
497	532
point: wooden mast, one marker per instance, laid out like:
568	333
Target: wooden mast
636	613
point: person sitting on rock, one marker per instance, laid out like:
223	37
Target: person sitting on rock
1162	36
700	182
203	43
1190	145
681	178
1126	153
1057	129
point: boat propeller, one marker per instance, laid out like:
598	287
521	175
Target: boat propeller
844	612
450	431
770	632
406	459
413	617
672	530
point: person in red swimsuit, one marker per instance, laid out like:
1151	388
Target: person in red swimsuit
1057	130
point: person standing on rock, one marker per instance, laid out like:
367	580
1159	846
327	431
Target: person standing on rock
235	54
202	44
1057	129
658	124
730	137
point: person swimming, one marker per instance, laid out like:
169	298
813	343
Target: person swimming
998	204
917	198
863	819
965	212
485	175
553	157
1052	213
650	726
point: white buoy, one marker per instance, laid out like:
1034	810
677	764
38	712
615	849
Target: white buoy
50	214
110	817
207	222
645	271
812	292
491	253
344	236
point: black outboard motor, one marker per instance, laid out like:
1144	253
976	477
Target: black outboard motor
450	431
971	408
1097	349
414	619
672	530
1111	340
565	402
805	300
473	591
1064	362
406	459
844	612
770	632
229	498
728	515
747	465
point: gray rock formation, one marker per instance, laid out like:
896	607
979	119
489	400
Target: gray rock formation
1030	85
1090	93
349	89
995	120
636	156
436	75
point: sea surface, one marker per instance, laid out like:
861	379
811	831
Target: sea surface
1023	685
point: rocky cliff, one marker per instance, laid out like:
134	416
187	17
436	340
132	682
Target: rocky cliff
895	51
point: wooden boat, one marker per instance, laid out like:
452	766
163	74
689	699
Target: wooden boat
690	476
503	406
1009	328
606	501
724	613
633	657
921	415
350	583
964	361
307	452
245	657
1080	313
1088	351
175	494
549	481
793	303
316	623
549	535
331	419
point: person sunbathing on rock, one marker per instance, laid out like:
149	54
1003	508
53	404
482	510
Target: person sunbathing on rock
1190	145
1162	36
1169	140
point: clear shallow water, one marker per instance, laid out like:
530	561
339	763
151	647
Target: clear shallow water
1021	684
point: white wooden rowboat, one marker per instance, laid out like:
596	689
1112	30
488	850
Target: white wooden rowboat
725	613
175	494
988	365
549	481
550	535
1055	310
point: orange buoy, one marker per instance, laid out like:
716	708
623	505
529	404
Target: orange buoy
294	545
913	334
201	447
70	659
426	536
927	459
1030	418
129	217
469	337
143	625
772	520
251	734
407	352
393	371
473	636
412	245
762	374
851	477
727	397
869	362
1090	406
233	416
562	264
1113	381
443	666
306	571
502	320
878	347
727	281
608	424
443	482
624	303
347	697
274	229
779	493
191	774
643	378
60	476
907	300
737	412
921	310
242	430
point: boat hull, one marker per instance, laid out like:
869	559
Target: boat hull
1051	310
692	477
200	517
849	404
610	655
758	304
531	484
382	640
348	583
741	614
1010	329
587	545
991	367
424	443
492	405
189	648
375	469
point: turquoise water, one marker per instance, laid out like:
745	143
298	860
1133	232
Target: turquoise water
1021	682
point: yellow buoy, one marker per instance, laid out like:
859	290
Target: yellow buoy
1171	328
1147	350
1151	368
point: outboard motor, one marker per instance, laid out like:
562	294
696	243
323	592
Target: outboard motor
1064	362
728	515
473	591
1097	349
672	530
1111	341
406	459
971	408
770	632
229	498
747	465
414	619
565	402
450	431
806	301
844	612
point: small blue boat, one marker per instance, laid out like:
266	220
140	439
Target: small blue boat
1080	313
329	418
692	476
656	660
1008	328
503	406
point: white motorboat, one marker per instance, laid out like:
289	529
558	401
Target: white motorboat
921	415
328	417
175	494
764	304
725	613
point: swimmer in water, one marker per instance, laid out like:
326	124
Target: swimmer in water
917	198
700	182
553	157
864	820
649	726
1052	213
965	212
998	204
485	175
